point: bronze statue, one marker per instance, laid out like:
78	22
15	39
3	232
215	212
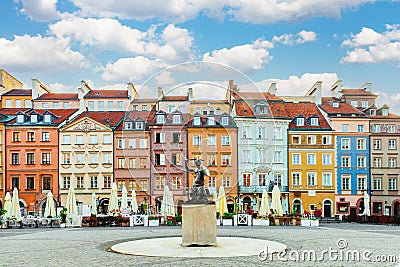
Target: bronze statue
199	194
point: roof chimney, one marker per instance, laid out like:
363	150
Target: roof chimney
132	93
272	89
336	88
160	93
316	91
366	86
190	94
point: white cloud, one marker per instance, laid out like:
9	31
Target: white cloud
300	38
36	53
393	101
164	78
245	57
373	47
130	69
41	10
306	36
173	43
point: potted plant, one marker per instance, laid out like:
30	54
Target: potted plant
261	221
153	221
2	212
314	221
63	217
178	218
227	218
305	219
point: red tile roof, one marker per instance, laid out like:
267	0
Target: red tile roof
61	114
357	92
111	118
107	94
306	110
256	96
19	92
12	111
245	109
343	109
57	96
231	122
175	98
145	100
211	101
146	116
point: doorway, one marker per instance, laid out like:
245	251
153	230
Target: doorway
327	208
396	209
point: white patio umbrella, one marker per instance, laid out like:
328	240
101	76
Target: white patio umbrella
134	205
264	207
50	209
366	204
7	205
15	209
72	208
124	200
276	204
113	207
93	204
164	202
215	198
171	206
223	207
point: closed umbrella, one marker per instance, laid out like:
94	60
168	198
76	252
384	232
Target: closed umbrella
215	198
223	207
164	202
276	203
72	208
50	209
264	207
15	209
134	205
171	209
93	204
366	204
7	205
124	200
113	207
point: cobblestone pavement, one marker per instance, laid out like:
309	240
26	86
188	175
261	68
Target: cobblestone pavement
90	246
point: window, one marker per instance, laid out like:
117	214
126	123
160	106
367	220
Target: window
107	157
377	183
262	180
94	159
196	121
47	118
45	105
314	122
66	158
66	182
364	104
326	179
160	118
345	143
18	104
311	140
30	137
392	162
101	105
261	133
226	159
377	128
171	108
377	207
246	132
120	106
91	105
277	156
360	128
311	178
143	143
372	112
392	184
46	158
135	107
160	138
93	139
132	143
211	181
128	125
211	121
106	139
15	182
176	159
224	121
346	182
176	118
160	159
132	185
277	178
211	160
335	104
392	144
377	162
79	139
93	181
346	162
30	183
110	105
142	163
143	185
385	112
377	144
176	182
204	111
79	182
296	178
361	183
311	159
246	179
107	181
326	159
132	163
391	129
262	157
246	156
120	185
226	181
20	118
66	139
361	144
14	158
34	118
197	140
120	143
218	111
8	104
46	183
353	103
121	163
226	140
45	137
80	158
300	122
160	182
16	137
296	159
176	137
345	128
277	133
211	140
144	107
66	105
296	140
211	111
361	162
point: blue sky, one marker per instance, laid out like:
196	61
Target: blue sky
254	42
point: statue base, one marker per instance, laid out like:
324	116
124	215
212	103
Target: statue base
198	225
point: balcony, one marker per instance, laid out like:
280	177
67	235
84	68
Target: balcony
260	189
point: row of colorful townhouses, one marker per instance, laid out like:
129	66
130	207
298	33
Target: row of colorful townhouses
330	153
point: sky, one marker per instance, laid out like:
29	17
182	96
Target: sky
203	44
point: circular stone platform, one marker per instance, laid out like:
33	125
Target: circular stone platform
171	247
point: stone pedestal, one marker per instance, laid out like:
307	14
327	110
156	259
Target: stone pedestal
198	225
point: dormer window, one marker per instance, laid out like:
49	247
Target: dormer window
47	118
372	112
20	118
139	125
34	118
160	118
218	111
385	112
211	121
211	111
300	121
196	121
128	125
353	103
364	104
335	104
176	119
314	122
224	121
